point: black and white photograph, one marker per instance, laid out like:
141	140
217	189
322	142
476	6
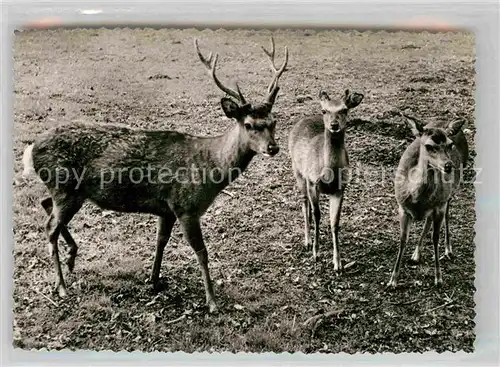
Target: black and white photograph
244	189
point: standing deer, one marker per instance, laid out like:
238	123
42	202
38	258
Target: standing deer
319	163
428	174
80	162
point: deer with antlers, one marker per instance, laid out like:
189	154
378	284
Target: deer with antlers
80	162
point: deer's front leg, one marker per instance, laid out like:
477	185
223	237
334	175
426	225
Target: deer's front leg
165	225
313	196
335	208
438	220
192	233
405	221
448	252
415	258
306	210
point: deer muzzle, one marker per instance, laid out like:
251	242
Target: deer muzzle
272	150
448	167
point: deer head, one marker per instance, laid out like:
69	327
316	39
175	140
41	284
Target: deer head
435	143
335	111
257	121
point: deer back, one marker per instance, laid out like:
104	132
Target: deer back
128	169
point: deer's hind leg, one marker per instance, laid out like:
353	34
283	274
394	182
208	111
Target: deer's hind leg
64	207
72	247
165	225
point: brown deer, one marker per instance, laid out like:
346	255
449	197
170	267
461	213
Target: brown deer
320	162
428	174
104	164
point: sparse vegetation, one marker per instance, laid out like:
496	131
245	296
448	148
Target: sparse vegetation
266	283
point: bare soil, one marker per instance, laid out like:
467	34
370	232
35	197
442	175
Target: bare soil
266	283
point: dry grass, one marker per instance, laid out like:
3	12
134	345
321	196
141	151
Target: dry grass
254	238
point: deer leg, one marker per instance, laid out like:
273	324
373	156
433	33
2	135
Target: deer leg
192	233
72	247
405	222
448	252
313	196
438	220
165	225
306	209
335	208
63	210
415	258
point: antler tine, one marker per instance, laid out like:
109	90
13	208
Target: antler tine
207	63
283	67
211	65
277	72
270	54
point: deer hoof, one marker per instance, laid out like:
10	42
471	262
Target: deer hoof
438	282
447	256
156	284
413	261
212	307
338	267
62	291
392	283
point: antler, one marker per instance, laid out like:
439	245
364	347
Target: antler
210	65
273	86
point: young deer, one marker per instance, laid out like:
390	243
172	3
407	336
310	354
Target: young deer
80	162
319	163
428	174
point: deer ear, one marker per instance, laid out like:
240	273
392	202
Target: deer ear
323	96
416	127
230	108
454	127
352	100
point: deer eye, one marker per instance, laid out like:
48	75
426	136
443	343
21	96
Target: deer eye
430	148
248	126
323	111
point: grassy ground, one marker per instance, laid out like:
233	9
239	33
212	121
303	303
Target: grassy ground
266	283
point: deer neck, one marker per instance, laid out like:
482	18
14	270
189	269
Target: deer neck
232	152
419	175
333	147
